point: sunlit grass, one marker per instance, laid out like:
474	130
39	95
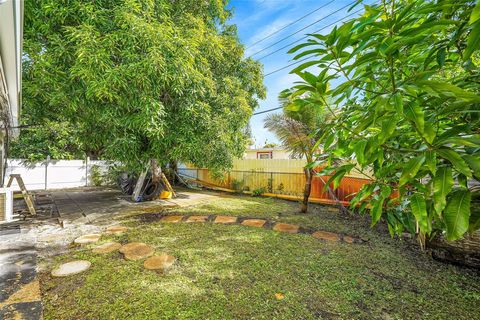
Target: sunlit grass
233	272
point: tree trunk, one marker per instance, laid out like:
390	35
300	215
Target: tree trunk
308	189
174	170
156	170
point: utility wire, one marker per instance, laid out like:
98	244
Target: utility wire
300	30
306	36
287	66
289	24
260	112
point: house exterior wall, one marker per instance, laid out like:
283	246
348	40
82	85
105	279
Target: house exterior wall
272	153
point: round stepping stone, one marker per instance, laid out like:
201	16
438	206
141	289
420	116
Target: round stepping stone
88	238
324	235
348	239
136	251
173	219
160	263
258	223
285	227
197	219
71	268
116	230
225	219
107	247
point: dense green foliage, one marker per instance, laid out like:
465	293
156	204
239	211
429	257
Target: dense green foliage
405	107
142	79
57	139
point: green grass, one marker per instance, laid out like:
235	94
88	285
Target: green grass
233	272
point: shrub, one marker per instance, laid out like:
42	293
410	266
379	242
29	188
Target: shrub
258	191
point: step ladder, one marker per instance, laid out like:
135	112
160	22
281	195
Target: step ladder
26	196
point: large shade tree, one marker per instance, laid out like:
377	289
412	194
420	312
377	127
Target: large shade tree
142	79
406	107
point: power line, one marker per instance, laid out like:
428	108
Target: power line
269	110
289	24
306	36
287	66
300	30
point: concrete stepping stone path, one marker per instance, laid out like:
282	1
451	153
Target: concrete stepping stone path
116	230
173	219
88	238
136	251
160	263
257	223
197	219
286	227
324	235
225	219
263	223
71	268
107	247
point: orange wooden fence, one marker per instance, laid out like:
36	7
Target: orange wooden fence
283	184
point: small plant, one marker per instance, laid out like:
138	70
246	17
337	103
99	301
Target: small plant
237	185
246	188
96	176
259	191
270	185
280	187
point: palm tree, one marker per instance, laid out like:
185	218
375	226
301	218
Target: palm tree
298	128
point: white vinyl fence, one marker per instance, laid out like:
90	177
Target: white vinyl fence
54	174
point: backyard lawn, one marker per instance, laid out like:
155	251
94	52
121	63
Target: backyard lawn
240	272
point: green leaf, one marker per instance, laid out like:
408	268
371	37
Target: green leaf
475	13
456	160
442	185
359	149
419	210
457	214
450	90
410	169
429	132
338	175
431	161
388	128
398	102
474	163
376	211
305	65
414	113
473	41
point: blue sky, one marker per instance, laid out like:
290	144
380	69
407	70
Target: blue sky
256	19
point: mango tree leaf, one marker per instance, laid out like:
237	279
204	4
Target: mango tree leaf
359	149
376	211
414	113
475	15
442	185
419	210
411	168
473	41
455	159
473	163
457	214
431	161
449	90
429	132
